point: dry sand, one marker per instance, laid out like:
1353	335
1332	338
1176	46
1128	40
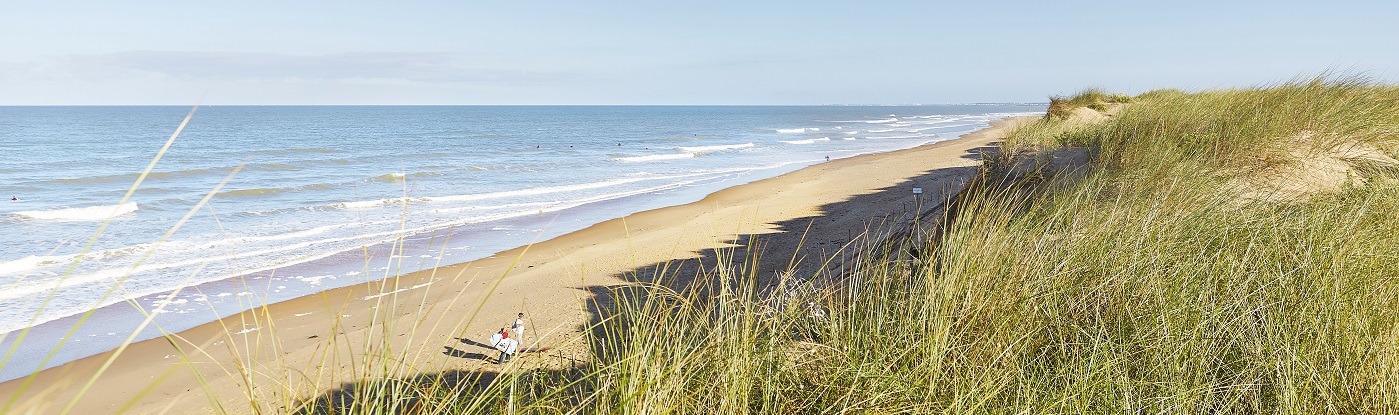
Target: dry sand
436	320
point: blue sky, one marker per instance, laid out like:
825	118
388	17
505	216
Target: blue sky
711	52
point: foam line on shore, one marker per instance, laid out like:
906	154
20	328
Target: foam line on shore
655	157
81	213
703	149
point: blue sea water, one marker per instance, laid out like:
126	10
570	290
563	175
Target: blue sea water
322	185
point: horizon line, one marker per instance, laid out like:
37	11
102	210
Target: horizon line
524	105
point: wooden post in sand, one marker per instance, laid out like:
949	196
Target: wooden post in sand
917	203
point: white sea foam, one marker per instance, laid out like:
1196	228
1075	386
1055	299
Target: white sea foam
368	204
316	280
161	302
654	157
949	120
390	177
29	288
572	203
115	274
797	130
248	240
531	205
543	190
27	263
715	148
552	206
885	121
371	297
85	213
800	141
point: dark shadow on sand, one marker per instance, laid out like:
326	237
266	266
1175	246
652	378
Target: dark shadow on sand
814	249
454	352
475	343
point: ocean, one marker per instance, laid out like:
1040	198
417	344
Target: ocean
321	188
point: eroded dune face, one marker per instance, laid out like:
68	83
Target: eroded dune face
1310	169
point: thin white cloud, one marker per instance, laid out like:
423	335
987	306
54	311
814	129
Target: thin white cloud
405	67
163	77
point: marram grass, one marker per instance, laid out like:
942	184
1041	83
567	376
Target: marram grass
1146	287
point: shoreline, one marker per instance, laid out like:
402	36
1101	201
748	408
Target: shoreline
108	325
119	318
420	313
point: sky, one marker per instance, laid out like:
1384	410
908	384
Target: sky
657	53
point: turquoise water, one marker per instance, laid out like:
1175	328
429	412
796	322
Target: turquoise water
322	185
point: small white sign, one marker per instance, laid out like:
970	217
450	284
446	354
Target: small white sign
917	190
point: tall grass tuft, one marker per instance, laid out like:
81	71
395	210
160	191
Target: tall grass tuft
1061	107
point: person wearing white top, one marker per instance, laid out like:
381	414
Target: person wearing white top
519	327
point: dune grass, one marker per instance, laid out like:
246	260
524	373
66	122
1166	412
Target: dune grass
1145	285
1061	107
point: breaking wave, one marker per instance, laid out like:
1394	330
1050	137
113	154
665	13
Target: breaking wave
654	157
84	213
810	141
715	148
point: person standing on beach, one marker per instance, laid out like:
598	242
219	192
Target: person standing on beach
507	346
519	327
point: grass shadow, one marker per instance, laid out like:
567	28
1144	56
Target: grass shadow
813	250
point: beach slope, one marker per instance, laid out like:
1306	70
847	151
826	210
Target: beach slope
437	320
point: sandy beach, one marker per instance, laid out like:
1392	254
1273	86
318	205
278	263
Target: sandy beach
437	320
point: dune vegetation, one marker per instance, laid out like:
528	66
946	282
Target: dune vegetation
1203	256
1228	251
